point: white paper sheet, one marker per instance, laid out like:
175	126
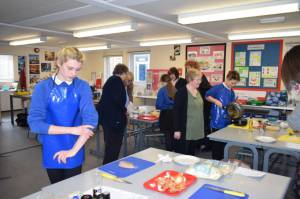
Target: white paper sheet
249	172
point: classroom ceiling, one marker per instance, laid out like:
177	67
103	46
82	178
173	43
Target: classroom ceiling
156	19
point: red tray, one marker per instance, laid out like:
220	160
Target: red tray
190	179
147	117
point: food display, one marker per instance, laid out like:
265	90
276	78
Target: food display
170	182
211	169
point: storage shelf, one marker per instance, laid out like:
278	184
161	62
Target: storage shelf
253	107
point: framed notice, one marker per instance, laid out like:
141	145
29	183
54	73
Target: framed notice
211	58
153	77
258	63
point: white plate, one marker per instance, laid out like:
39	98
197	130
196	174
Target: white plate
266	139
186	160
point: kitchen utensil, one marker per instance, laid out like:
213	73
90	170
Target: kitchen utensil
226	191
114	178
235	112
266	139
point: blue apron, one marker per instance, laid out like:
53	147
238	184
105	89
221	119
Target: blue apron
219	116
62	110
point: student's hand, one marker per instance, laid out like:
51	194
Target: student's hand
63	155
84	130
218	103
177	135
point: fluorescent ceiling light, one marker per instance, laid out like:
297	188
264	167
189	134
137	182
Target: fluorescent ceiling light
105	30
28	41
166	42
94	48
272	20
242	11
265	34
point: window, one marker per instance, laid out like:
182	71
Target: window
6	68
139	63
109	64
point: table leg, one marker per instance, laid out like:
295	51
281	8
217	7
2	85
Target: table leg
11	110
252	148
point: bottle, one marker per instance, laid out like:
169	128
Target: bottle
250	124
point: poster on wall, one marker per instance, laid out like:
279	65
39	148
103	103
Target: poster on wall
153	77
258	63
34	78
211	58
46	67
34	69
34	59
49	56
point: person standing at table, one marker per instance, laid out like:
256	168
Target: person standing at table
63	115
188	119
112	112
291	79
203	88
164	103
220	96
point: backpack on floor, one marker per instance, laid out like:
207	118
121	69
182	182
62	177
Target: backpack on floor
22	119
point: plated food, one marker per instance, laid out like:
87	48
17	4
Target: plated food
170	182
210	169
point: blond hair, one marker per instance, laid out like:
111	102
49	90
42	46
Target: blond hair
67	53
192	74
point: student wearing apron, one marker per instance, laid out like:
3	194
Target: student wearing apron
63	115
221	96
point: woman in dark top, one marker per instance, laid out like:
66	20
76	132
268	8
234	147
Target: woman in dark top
188	121
112	112
203	88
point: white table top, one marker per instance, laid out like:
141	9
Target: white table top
269	186
229	134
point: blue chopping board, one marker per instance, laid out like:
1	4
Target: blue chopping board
114	169
205	192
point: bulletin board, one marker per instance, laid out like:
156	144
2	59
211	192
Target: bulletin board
258	63
211	58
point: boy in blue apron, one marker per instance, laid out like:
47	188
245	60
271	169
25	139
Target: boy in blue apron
221	95
63	115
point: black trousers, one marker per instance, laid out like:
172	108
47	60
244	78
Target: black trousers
56	175
183	146
217	149
166	127
113	142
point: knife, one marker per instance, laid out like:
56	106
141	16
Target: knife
228	192
114	178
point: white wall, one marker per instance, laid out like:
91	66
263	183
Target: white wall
94	60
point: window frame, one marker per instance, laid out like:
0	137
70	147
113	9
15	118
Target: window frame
10	69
